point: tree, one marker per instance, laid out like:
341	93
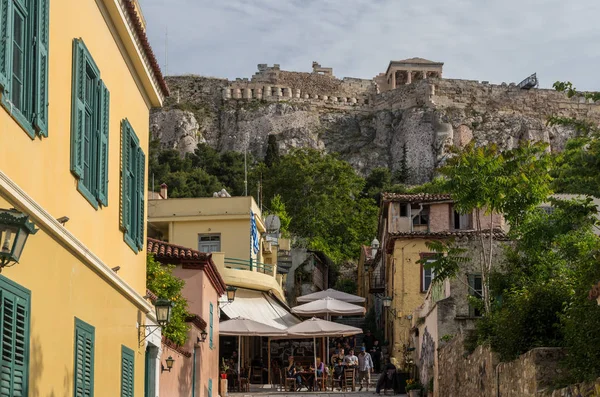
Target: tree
322	194
277	207
272	155
485	181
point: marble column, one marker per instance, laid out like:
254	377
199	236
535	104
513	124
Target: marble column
408	76
393	79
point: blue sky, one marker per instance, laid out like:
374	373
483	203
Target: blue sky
498	41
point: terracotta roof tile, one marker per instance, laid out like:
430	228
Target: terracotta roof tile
499	234
141	34
415	198
162	249
197	321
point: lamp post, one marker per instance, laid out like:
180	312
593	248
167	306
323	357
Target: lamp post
374	247
15	228
169	362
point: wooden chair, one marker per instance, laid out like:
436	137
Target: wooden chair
321	382
244	381
349	381
256	374
339	381
289	381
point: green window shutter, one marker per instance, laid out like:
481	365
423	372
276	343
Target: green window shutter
41	68
210	329
210	388
125	178
141	224
84	359
14	339
127	372
78	109
5	39
103	118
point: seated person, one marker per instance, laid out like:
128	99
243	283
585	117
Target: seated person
320	367
386	380
351	361
338	370
291	371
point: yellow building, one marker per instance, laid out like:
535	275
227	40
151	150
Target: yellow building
223	227
77	82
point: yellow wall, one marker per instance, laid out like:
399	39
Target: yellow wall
405	282
63	286
41	167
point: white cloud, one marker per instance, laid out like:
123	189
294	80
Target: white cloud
477	39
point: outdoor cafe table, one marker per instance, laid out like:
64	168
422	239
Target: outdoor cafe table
308	379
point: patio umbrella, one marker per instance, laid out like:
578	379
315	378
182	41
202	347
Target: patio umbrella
317	327
328	306
332	293
244	327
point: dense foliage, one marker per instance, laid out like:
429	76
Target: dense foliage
160	280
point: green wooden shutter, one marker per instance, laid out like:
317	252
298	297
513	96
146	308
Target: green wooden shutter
210	388
210	329
14	341
78	108
84	359
125	196
141	222
127	372
103	143
5	48
41	68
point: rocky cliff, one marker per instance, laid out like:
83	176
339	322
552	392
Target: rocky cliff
367	128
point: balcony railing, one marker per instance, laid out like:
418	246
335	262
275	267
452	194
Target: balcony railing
377	280
251	265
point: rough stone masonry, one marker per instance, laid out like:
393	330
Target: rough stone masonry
408	110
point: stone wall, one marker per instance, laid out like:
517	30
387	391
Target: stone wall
480	373
586	389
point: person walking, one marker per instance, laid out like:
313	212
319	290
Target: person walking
376	355
365	367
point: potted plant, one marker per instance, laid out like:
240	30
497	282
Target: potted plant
224	369
414	388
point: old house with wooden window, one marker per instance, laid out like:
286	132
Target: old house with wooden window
398	283
77	82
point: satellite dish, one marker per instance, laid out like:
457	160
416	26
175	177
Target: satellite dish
273	224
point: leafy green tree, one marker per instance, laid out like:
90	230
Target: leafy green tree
160	280
485	181
322	194
277	207
272	156
347	285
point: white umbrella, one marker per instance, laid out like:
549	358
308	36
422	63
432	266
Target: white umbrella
332	293
317	327
243	326
328	306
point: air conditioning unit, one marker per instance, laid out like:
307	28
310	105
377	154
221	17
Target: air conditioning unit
266	247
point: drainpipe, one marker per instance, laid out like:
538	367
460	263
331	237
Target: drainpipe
194	371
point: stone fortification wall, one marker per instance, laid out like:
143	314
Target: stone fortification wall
481	374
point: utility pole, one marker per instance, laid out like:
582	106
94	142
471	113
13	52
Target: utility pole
246	164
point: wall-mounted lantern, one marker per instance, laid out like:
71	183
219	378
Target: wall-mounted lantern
15	228
169	362
163	309
203	335
231	293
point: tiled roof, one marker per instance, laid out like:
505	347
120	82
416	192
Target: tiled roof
415	198
499	234
140	32
168	250
197	321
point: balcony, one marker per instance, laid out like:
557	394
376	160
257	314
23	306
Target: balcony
244	264
377	280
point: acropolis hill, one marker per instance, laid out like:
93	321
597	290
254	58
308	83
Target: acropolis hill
409	109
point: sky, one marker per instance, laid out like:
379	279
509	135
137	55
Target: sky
492	40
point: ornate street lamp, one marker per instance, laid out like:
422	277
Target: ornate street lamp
387	301
231	293
163	309
169	362
15	228
203	334
374	247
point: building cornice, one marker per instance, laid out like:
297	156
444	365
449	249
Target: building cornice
42	219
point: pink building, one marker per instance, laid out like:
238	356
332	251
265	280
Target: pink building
195	371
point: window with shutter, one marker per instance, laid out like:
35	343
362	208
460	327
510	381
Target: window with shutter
24	63
133	172
210	330
83	371
475	290
210	388
14	338
89	127
127	372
